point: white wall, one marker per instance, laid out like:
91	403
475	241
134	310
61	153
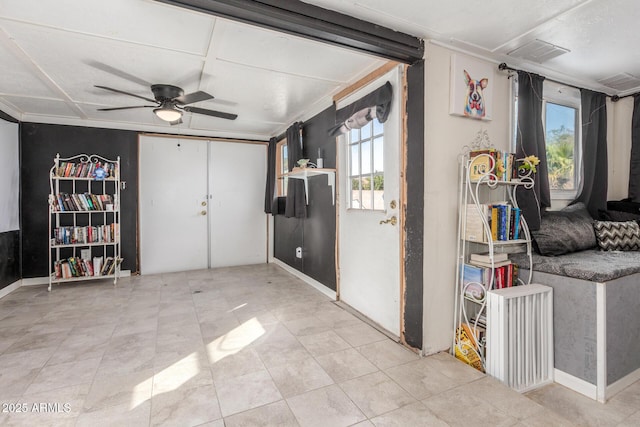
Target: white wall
445	136
9	172
619	147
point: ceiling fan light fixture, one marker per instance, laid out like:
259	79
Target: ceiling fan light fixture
168	113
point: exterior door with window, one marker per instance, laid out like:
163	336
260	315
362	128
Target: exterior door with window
369	212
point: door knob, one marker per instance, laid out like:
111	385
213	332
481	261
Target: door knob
203	212
393	220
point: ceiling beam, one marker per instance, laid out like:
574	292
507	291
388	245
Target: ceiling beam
313	22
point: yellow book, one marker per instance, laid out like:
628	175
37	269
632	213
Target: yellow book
494	223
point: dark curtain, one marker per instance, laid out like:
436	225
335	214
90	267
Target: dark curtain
357	114
296	205
271	176
634	163
530	141
593	191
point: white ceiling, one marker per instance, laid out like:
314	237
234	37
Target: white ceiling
601	35
53	53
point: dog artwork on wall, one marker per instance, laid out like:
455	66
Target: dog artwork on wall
474	98
471	89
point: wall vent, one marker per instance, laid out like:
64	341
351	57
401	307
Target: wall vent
621	82
538	51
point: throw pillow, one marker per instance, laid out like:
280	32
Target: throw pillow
565	231
617	236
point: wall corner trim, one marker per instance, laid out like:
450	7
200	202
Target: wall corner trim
308	280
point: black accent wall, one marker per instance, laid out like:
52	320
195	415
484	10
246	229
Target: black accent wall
316	233
39	144
9	258
414	219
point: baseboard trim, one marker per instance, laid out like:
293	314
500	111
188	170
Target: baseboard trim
308	280
10	288
33	281
576	384
622	383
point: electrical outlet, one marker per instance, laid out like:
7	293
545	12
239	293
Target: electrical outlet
298	252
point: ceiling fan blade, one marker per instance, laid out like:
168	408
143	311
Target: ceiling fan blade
176	122
125	93
119	73
213	113
126	108
190	98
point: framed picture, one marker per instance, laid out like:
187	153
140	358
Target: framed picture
471	90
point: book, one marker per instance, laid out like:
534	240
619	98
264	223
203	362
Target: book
472	273
486	257
494	223
502	222
496	264
516	223
97	266
481	163
475	228
466	348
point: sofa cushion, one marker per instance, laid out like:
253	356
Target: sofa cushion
617	235
565	231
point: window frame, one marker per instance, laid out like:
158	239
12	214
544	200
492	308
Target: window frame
282	168
372	172
562	95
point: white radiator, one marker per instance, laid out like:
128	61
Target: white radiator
520	336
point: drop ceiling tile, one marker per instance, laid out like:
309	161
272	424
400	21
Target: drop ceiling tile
270	50
603	41
43	107
17	78
271	96
486	24
142	22
67	59
262	130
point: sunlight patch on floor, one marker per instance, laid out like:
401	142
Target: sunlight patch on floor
235	340
174	376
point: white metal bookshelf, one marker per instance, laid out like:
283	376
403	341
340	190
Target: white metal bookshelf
475	190
84	195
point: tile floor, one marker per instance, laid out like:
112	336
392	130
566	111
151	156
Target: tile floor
244	346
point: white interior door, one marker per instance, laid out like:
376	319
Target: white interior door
173	205
238	222
369	243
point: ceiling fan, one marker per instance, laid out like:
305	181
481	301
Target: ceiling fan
171	102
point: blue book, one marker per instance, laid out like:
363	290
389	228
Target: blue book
473	281
516	223
502	222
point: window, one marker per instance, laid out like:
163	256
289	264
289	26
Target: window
366	166
561	120
561	110
282	167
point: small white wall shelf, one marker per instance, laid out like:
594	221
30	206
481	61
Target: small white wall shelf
305	173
